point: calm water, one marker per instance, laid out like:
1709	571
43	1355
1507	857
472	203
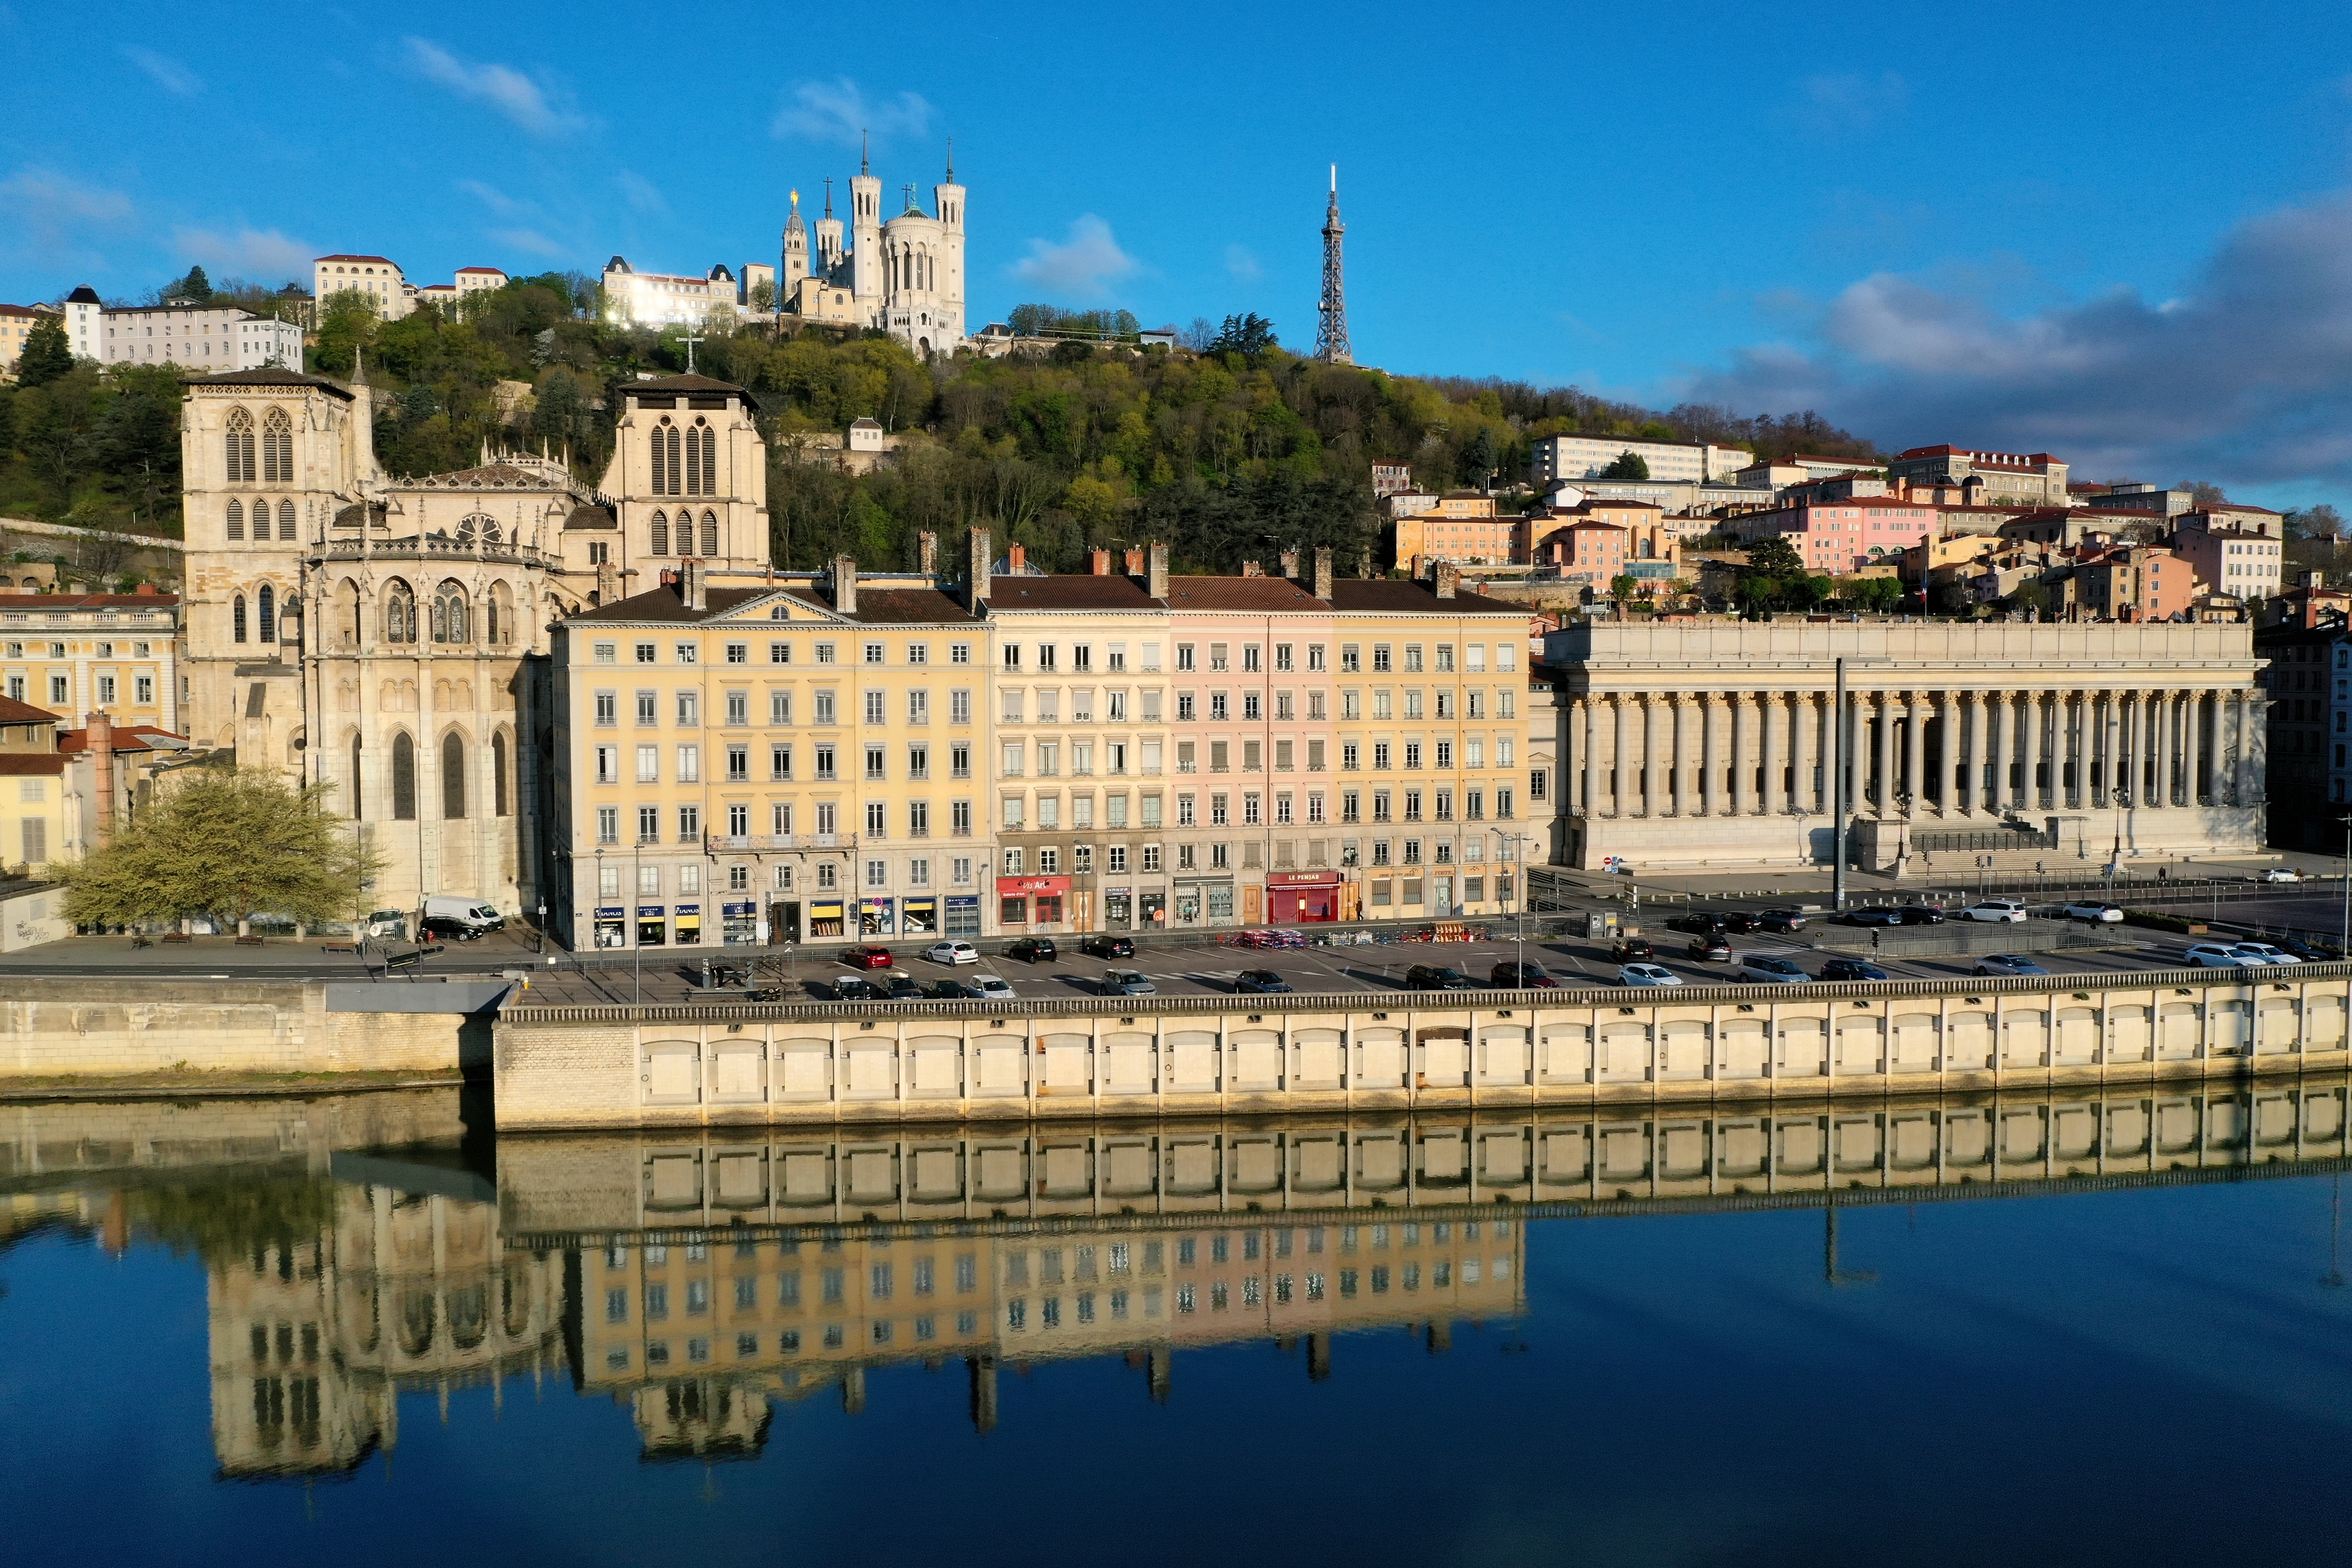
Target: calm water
2084	1331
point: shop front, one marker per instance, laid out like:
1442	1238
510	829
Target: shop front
612	925
1035	903
826	917
740	924
1151	909
653	930
688	925
920	917
1119	909
784	920
1296	898
1209	901
963	915
875	917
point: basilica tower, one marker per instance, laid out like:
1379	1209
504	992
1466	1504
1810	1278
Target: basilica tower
865	242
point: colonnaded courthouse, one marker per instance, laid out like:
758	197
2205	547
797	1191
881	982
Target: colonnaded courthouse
1710	745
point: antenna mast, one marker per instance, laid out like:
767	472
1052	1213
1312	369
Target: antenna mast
1331	317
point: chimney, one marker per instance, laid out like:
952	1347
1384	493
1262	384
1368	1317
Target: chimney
690	589
101	761
1100	560
1134	562
1158	585
608	583
1290	565
1252	569
1016	560
1449	579
927	553
976	585
1323	575
844	585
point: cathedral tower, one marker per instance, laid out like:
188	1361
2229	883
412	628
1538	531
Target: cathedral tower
947	201
828	237
796	257
865	241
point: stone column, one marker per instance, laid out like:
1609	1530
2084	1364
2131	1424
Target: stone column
2254	751
1652	746
2209	747
2000	720
2101	721
1770	714
1621	720
1854	738
1915	737
1741	785
2069	793
1586	728
1801	736
1883	799
2164	711
1681	754
2035	719
1947	756
1709	794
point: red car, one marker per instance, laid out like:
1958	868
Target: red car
868	958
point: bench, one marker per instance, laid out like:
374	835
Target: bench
175	936
249	942
339	947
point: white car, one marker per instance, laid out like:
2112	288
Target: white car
2266	953
1998	911
2109	913
2279	874
1647	974
2222	955
989	988
952	952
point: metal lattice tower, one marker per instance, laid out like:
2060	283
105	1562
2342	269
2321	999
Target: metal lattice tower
1331	317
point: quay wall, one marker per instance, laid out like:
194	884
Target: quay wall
706	1064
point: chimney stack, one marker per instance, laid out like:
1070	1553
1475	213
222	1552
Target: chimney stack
927	558
608	583
1134	562
1157	586
1290	565
976	587
1252	569
1449	580
691	591
1016	560
1102	562
101	761
1323	575
844	585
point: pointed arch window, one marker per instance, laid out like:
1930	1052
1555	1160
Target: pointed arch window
236	618
236	448
710	534
453	777
499	801
403	779
267	601
497	616
661	534
286	520
660	458
277	448
236	520
399	614
709	461
449	613
694	459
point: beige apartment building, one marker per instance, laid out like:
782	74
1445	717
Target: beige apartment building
75	654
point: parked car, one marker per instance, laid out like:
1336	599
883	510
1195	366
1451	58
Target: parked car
2304	951
1996	911
988	988
1853	969
1632	948
945	991
1034	949
2222	955
906	988
1919	915
1127	983
1771	971
1740	922
479	913
952	952
868	957
2106	913
1701	924
1435	977
1710	948
388	925
2278	874
1260	980
2000	965
1871	918
1520	977
2266	953
855	988
1105	944
440	928
1647	974
1782	921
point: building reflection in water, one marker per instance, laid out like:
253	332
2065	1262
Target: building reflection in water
703	1279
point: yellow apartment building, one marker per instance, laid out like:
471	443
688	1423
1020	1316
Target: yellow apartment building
73	654
1081	752
777	763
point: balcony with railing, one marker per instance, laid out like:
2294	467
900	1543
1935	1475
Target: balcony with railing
758	843
435	547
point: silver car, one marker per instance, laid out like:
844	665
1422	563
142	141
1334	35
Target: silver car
2266	953
989	988
1772	972
2106	913
2222	955
1127	983
1647	974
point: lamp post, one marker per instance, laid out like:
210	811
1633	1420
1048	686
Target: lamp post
540	949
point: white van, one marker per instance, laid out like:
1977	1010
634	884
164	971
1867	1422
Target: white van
477	913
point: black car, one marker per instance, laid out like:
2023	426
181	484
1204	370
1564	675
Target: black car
1853	969
945	991
1103	944
1919	915
1034	949
1710	948
1632	950
1782	921
437	929
1697	924
2302	951
1871	918
1436	977
1520	977
1260	980
1740	922
856	988
906	988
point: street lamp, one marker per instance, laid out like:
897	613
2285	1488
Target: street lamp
541	948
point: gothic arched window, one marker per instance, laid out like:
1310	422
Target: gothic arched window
236	520
661	534
236	448
710	534
236	618
286	520
277	448
449	613
399	614
268	600
403	778
453	777
694	459
497	616
660	446
709	461
500	804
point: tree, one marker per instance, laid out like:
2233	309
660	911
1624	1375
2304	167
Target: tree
2030	594
763	295
1951	597
1248	335
46	356
228	845
1624	586
1774	556
1479	458
2320	521
1629	465
2202	495
194	286
347	323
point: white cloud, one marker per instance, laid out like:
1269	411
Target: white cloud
48	210
261	256
1241	263
518	97
642	194
490	196
2246	377
169	74
837	111
529	239
1838	105
1081	264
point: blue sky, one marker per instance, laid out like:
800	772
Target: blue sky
2121	234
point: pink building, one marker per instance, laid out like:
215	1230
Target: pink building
1845	536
